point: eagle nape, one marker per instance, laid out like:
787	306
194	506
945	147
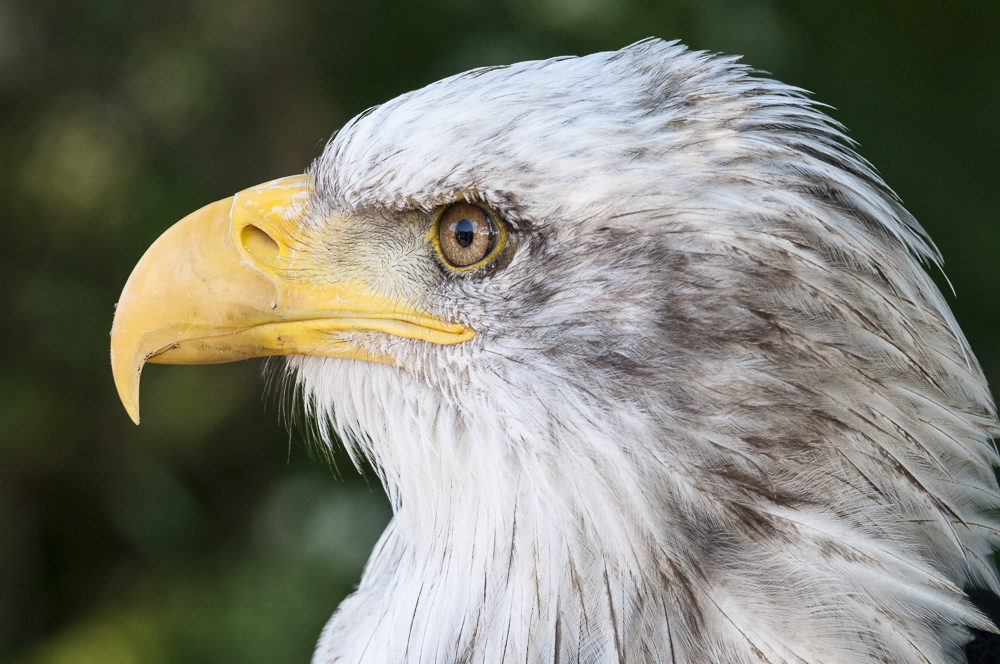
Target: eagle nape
644	355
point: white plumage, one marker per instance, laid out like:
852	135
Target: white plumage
714	411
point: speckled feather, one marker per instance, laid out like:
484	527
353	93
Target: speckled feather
715	409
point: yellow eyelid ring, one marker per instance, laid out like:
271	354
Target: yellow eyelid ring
498	226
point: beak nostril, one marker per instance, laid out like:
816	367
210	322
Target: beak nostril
259	244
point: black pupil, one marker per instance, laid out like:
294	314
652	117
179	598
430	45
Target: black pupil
464	232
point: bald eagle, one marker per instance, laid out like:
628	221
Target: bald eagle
644	355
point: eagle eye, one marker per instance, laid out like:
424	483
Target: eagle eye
467	235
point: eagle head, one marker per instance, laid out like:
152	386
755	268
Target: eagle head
643	353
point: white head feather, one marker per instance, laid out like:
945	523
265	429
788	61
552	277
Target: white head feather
715	410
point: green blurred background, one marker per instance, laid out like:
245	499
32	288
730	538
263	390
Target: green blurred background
209	534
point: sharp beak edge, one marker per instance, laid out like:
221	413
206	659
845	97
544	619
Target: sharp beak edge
220	285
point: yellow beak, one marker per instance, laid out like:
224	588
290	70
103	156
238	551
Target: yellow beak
232	281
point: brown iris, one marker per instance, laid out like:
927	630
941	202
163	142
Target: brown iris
466	234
